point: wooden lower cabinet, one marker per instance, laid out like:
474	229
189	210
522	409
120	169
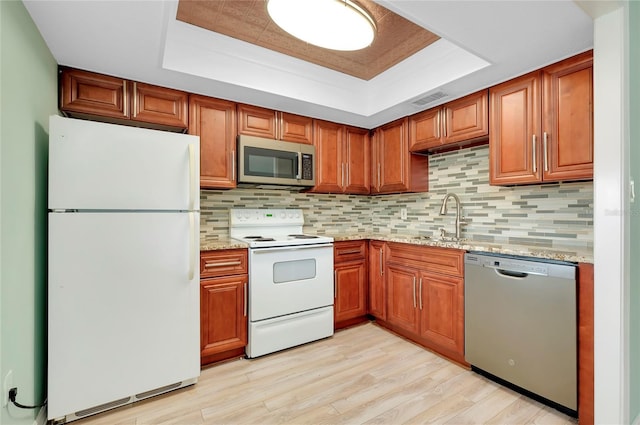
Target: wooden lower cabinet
585	344
350	283
425	297
223	304
377	284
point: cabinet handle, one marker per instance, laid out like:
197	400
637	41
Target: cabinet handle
125	100
544	147
378	175
414	292
342	169
444	122
381	260
438	124
222	264
135	99
420	294
534	156
335	284
245	299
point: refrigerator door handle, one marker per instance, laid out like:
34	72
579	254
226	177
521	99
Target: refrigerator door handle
192	245
192	177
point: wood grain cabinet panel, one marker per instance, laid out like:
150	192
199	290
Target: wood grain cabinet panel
343	158
270	124
159	105
394	168
425	296
214	121
377	283
222	328
541	125
585	345
458	122
350	282
442	313
223	304
88	93
100	97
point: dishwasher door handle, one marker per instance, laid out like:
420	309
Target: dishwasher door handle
511	274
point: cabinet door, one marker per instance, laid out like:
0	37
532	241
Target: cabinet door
392	168
568	119
83	92
159	105
402	307
214	121
295	128
514	130
256	121
442	312
466	118
330	164
350	291
377	287
425	130
223	314
357	161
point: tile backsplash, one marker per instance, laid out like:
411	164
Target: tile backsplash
550	215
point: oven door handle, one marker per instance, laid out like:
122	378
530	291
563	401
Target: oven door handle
290	248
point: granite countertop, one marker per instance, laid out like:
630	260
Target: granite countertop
569	253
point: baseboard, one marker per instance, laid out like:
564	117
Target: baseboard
41	419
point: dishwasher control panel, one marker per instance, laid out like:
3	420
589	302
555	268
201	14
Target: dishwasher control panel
520	265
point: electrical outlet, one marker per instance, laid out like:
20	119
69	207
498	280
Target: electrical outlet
403	213
7	384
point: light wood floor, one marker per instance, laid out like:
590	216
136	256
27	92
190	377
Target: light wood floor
362	375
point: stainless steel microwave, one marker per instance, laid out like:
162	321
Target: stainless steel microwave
273	162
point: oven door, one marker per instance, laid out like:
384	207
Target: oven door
286	280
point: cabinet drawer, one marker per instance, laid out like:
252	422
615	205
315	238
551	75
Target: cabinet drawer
223	263
433	259
349	251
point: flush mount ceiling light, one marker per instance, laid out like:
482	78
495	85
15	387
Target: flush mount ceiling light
331	24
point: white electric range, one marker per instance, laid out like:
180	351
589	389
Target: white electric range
291	292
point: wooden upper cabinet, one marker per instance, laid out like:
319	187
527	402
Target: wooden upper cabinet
270	124
394	168
343	158
567	119
214	121
462	120
541	125
86	94
159	105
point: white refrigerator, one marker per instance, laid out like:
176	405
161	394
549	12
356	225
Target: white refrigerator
123	281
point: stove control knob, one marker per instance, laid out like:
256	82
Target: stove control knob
283	215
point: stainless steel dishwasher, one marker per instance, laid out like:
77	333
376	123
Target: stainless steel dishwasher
520	325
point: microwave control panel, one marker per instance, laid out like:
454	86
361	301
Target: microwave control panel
307	167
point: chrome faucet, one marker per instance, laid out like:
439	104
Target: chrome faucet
459	219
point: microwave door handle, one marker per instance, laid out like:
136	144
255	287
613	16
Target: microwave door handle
299	176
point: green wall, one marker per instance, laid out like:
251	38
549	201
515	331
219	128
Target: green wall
28	87
634	114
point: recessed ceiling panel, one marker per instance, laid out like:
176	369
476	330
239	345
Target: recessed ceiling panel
247	20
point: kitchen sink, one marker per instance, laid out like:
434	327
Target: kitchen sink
440	239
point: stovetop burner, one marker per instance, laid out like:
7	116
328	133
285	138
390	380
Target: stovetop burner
259	238
300	236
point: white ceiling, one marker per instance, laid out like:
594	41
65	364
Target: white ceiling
483	43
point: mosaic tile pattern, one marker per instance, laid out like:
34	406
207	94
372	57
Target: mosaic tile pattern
550	215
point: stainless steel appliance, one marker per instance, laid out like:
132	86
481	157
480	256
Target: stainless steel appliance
290	279
273	162
123	282
520	325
